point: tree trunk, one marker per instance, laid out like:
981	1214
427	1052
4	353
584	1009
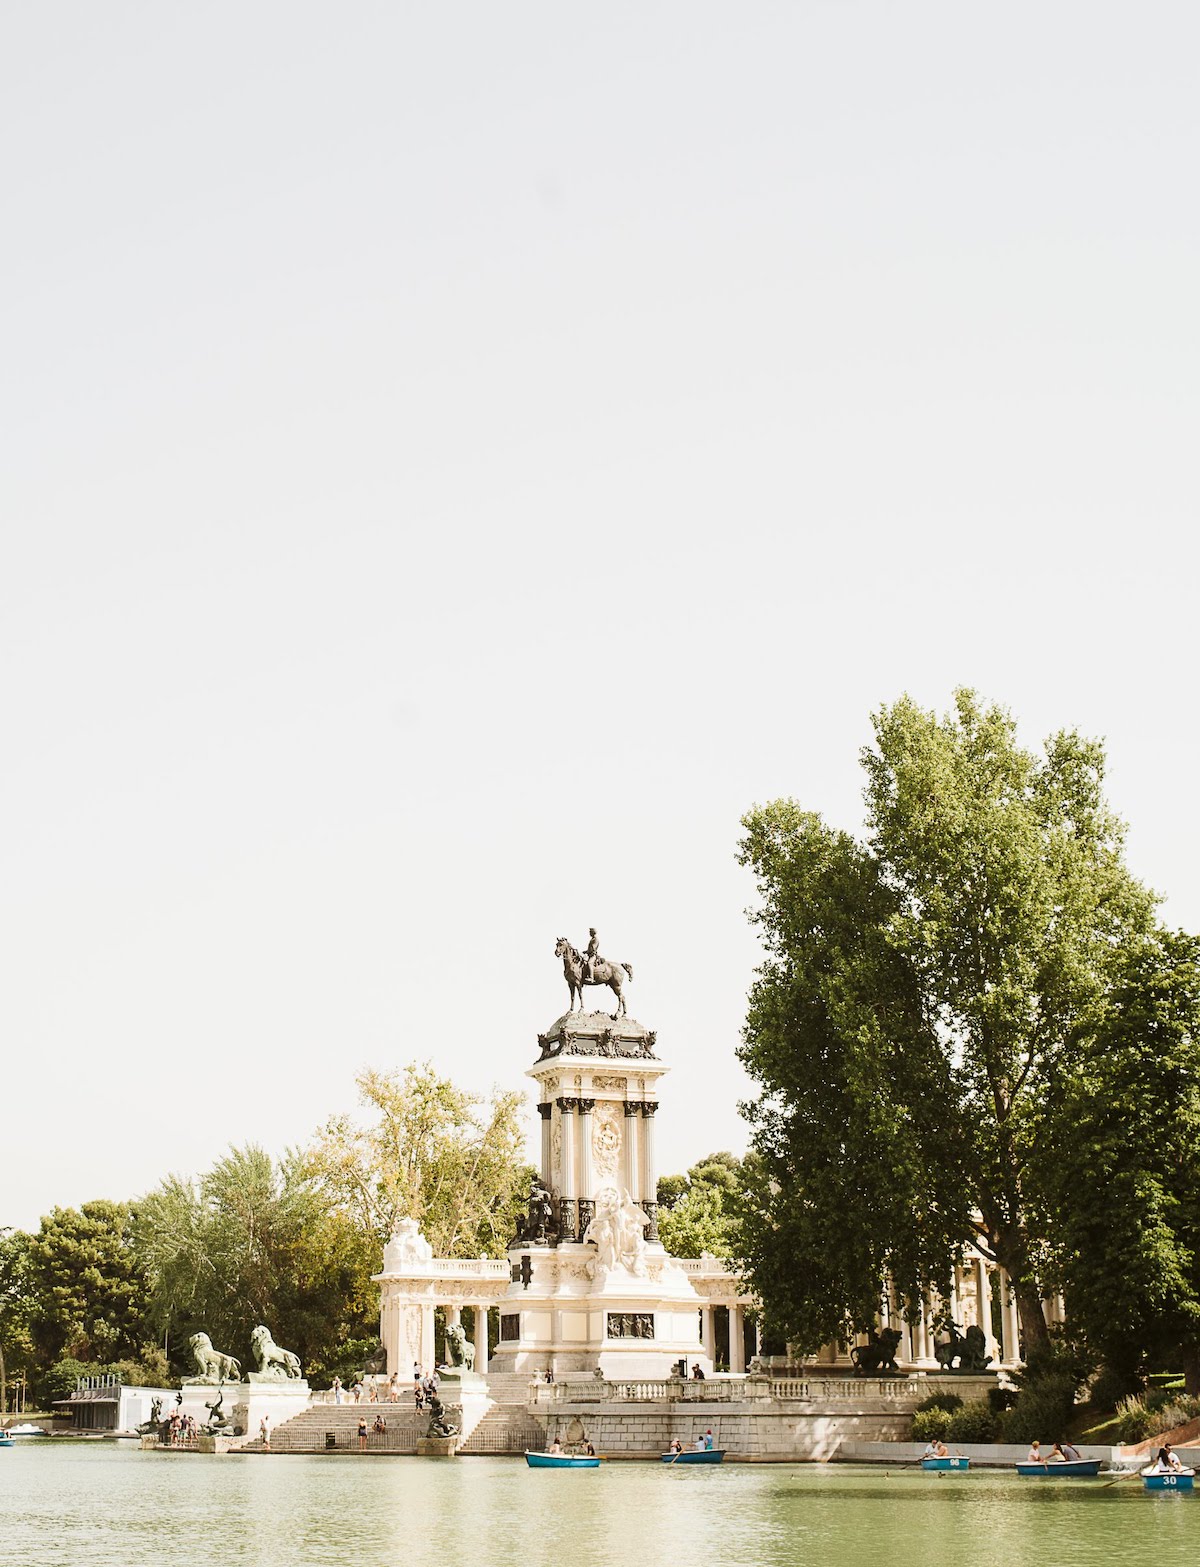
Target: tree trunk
3	1385
1191	1369
1032	1315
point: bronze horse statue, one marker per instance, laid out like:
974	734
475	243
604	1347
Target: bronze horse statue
604	973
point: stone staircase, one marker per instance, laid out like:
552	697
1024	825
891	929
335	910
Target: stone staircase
505	1428
333	1428
508	1387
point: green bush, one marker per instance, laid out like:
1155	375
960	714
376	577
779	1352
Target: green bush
1134	1421
1001	1398
1155	1416
950	1401
930	1423
1042	1410
974	1422
59	1381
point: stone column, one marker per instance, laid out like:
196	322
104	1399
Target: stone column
737	1338
708	1333
481	1337
983	1289
567	1212
545	1111
1012	1322
649	1171
632	1157
428	1355
587	1196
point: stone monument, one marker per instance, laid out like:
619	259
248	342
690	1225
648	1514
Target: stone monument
592	1287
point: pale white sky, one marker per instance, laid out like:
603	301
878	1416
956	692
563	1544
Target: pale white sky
457	458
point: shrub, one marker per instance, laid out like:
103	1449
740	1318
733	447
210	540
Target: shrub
59	1381
950	1401
1134	1420
1178	1412
974	1422
1001	1398
930	1423
1042	1410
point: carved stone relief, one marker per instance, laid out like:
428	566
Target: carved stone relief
606	1139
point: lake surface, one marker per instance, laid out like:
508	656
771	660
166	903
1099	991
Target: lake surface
109	1503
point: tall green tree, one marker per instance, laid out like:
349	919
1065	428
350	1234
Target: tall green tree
920	989
702	1208
87	1288
16	1341
428	1150
1119	1194
253	1240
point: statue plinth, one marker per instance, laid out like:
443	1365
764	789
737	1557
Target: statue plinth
437	1446
597	1034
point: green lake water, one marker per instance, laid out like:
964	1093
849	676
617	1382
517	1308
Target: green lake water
109	1503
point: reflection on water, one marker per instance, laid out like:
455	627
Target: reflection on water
105	1503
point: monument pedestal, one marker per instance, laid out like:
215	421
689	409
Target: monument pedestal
600	1293
437	1446
276	1399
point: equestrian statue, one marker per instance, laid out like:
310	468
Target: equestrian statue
589	968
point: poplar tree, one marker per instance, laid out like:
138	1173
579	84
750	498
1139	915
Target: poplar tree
919	998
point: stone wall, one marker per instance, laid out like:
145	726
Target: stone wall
758	1428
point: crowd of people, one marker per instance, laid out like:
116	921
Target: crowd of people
372	1391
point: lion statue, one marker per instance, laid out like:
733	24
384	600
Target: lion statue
211	1364
878	1354
273	1361
459	1349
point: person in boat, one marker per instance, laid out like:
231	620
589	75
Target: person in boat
1056	1455
942	1450
708	1440
1167	1462
1036	1455
699	1444
555	1446
1071	1453
931	1448
676	1445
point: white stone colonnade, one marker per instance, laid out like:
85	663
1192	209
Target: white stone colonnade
411	1287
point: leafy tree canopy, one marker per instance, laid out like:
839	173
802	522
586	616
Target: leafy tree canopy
429	1151
701	1215
1119	1195
254	1241
920	990
88	1292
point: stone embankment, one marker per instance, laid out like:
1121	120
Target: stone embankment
758	1418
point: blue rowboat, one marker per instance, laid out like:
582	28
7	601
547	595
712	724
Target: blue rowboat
695	1455
1081	1468
1168	1479
560	1461
945	1463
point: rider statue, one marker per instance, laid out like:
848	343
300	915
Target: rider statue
592	956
